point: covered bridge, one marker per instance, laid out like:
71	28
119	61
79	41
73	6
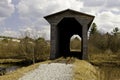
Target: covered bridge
65	24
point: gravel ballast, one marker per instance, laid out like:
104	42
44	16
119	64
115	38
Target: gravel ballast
52	71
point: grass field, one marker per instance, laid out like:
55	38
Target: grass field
80	67
83	70
108	64
101	59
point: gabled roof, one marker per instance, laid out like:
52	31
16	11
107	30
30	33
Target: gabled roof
69	10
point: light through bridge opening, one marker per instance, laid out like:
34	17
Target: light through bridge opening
75	43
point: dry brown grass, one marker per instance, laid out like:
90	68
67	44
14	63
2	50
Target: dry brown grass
101	59
10	60
20	72
82	70
85	71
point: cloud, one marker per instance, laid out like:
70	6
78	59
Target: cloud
100	3
113	3
6	9
33	11
35	32
9	33
106	12
107	21
93	3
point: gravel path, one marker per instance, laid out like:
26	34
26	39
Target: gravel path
53	71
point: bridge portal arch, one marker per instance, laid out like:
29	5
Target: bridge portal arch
66	28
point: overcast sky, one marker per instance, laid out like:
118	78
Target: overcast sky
17	16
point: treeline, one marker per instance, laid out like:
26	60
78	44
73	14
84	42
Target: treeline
27	48
104	42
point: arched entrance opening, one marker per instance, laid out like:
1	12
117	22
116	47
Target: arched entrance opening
66	28
75	43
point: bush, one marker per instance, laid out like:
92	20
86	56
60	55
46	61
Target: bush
8	49
99	41
105	42
42	49
115	44
34	50
27	48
